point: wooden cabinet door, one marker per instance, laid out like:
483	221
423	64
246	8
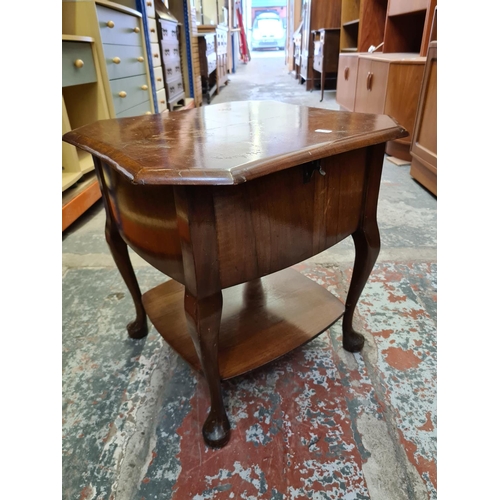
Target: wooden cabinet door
424	142
346	81
371	86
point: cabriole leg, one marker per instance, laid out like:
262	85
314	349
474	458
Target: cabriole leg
203	319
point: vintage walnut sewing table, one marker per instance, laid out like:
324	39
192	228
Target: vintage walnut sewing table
223	199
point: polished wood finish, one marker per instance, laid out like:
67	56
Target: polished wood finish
316	14
257	325
229	143
372	16
223	199
424	144
326	55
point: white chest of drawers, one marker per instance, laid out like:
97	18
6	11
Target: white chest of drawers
121	52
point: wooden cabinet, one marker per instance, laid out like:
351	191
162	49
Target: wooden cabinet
424	144
83	102
326	55
168	34
390	84
121	52
208	63
316	14
388	81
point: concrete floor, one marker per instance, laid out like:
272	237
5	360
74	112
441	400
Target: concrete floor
320	423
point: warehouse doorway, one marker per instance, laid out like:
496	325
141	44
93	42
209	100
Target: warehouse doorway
266	28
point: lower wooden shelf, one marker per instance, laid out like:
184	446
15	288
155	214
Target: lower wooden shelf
79	198
261	320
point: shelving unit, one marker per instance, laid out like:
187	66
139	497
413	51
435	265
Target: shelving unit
387	81
83	102
363	24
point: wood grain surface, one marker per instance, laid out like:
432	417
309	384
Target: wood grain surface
261	320
228	143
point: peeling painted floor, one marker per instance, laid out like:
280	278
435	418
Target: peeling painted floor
320	423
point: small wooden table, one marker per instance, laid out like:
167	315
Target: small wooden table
223	200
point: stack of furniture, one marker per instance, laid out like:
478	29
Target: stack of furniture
316	15
83	102
152	41
118	86
386	82
168	29
213	58
121	52
424	144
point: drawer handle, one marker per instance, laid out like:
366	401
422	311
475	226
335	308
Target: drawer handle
346	74
149	4
158	79
122	94
147	113
152	30
162	102
110	24
136	29
79	63
144	87
117	60
140	59
369	78
155	55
